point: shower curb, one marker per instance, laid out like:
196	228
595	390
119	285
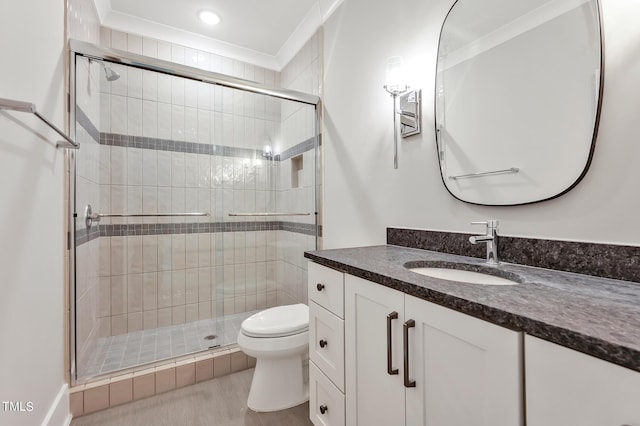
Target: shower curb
148	381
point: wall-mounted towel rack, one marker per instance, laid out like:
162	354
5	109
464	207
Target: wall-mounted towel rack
90	216
494	172
12	105
269	214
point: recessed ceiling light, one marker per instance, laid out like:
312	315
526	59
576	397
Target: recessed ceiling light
208	17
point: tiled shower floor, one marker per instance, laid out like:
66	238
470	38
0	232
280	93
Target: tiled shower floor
142	347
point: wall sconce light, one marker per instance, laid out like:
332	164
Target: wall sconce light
409	103
268	149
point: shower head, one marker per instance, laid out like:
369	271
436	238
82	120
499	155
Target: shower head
109	73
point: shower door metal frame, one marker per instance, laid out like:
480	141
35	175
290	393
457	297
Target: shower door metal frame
92	51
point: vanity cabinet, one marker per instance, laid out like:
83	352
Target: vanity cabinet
566	387
409	361
326	346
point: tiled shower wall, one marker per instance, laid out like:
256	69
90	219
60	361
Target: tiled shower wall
157	280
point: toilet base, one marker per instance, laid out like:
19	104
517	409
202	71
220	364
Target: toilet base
278	384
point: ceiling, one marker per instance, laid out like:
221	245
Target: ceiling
266	33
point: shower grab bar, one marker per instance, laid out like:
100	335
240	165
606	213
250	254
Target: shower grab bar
481	174
12	105
269	214
90	217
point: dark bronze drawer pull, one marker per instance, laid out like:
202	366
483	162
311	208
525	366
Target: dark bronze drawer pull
406	326
390	370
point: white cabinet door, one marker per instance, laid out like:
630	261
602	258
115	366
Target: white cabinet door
466	371
566	388
373	396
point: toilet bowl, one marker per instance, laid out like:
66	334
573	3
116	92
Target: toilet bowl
279	340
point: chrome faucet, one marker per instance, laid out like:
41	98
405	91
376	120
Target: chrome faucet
490	238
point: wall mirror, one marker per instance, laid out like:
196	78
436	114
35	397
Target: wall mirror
518	88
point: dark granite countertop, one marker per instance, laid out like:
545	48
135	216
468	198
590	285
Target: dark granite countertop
593	315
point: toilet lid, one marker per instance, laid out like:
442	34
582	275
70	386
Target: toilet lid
277	322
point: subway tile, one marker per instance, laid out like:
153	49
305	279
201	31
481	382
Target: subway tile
165	379
134	116
149	47
134	252
149	119
76	403
134	322
178	286
118	324
177	91
191	93
191	312
150	253
150	319
144	385
190	124
134	44
185	374
178	315
164	50
204	369
150	291
164	317
96	399
118	295
134	83
191	285
221	363
120	391
238	361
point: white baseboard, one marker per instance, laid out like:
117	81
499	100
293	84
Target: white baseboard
58	414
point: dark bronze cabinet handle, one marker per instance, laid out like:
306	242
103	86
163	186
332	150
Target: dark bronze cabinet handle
406	326
390	370
323	409
320	287
323	343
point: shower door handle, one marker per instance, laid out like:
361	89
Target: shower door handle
390	370
406	326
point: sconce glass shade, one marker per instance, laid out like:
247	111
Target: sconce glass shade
395	78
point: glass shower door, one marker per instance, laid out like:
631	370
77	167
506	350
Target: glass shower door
152	280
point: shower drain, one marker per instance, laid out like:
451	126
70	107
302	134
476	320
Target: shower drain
210	337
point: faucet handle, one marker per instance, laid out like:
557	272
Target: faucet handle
491	224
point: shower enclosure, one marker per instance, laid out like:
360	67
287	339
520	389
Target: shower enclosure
193	195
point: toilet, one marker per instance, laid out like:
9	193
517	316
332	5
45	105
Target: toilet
279	340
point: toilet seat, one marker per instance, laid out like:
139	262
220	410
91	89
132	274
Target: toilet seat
280	321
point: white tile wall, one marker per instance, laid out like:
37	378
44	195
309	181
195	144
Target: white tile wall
168	279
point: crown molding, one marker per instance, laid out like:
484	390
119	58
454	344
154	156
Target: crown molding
132	24
315	17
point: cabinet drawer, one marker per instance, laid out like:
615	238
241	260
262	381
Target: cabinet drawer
326	288
326	402
326	343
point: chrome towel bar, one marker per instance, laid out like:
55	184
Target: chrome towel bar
495	172
90	217
11	105
269	214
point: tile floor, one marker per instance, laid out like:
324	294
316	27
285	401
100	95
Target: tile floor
115	353
218	402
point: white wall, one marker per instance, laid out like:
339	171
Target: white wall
31	215
364	194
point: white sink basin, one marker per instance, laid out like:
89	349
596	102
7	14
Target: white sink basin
463	276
